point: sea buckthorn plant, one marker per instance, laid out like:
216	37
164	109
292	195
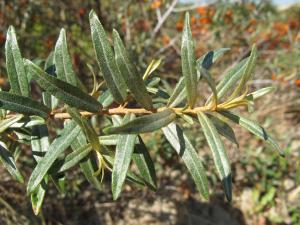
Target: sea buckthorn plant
127	104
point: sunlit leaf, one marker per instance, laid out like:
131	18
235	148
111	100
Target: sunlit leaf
188	60
68	93
124	150
151	68
130	74
62	59
218	151
188	154
253	127
59	145
6	123
144	124
106	61
14	65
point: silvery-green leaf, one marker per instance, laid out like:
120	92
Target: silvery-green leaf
223	128
8	162
87	166
21	104
106	99
247	72
66	92
178	95
106	61
130	74
259	93
6	123
58	146
210	81
14	65
211	57
253	127
124	150
218	151
76	157
188	60
230	79
144	124
188	154
62	59
144	164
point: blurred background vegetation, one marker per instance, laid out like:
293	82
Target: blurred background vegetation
266	187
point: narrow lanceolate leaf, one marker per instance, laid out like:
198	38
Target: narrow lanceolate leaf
88	130
144	124
230	79
254	128
68	93
106	61
188	60
87	166
218	151
124	150
14	64
247	72
211	57
76	157
40	145
211	83
188	154
62	59
178	95
59	145
144	164
130	74
9	163
6	123
21	104
151	68
223	128
259	93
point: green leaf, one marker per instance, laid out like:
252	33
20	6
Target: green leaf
124	150
144	124
188	154
106	61
188	60
259	93
40	145
68	93
9	163
87	165
14	64
218	151
223	128
211	83
247	72
211	57
178	95
63	60
130	74
76	157
254	128
6	123
230	79
106	99
144	164
21	104
59	145
88	130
